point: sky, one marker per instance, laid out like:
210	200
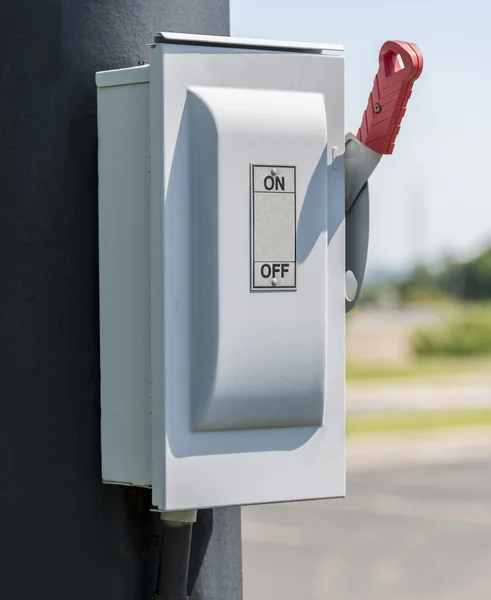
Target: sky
432	196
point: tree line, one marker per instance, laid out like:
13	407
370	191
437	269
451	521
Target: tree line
464	280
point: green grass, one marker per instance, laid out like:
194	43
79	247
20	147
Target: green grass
464	332
423	370
417	421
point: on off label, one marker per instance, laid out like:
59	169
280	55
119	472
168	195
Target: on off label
274	221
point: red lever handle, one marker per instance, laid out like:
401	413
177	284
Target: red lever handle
391	91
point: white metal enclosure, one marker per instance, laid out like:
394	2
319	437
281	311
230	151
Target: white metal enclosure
222	264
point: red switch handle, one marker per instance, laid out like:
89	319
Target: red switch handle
400	64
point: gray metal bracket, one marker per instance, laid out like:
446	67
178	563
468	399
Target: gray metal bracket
360	162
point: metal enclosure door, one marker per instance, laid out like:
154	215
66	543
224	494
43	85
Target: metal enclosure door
247	244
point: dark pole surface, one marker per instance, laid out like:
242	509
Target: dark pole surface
217	539
63	534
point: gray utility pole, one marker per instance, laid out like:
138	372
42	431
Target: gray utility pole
63	534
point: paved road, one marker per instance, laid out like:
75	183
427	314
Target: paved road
421	531
418	396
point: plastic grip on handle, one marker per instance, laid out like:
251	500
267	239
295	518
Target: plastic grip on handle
400	64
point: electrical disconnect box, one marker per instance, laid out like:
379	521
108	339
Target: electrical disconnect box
223	240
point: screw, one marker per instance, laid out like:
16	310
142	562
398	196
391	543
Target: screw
274	171
377	108
274	282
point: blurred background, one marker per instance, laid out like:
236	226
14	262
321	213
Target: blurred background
416	523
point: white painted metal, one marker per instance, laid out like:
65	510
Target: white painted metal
209	445
124	279
252	43
253	360
130	76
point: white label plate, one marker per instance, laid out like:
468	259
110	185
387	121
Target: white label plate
274	225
